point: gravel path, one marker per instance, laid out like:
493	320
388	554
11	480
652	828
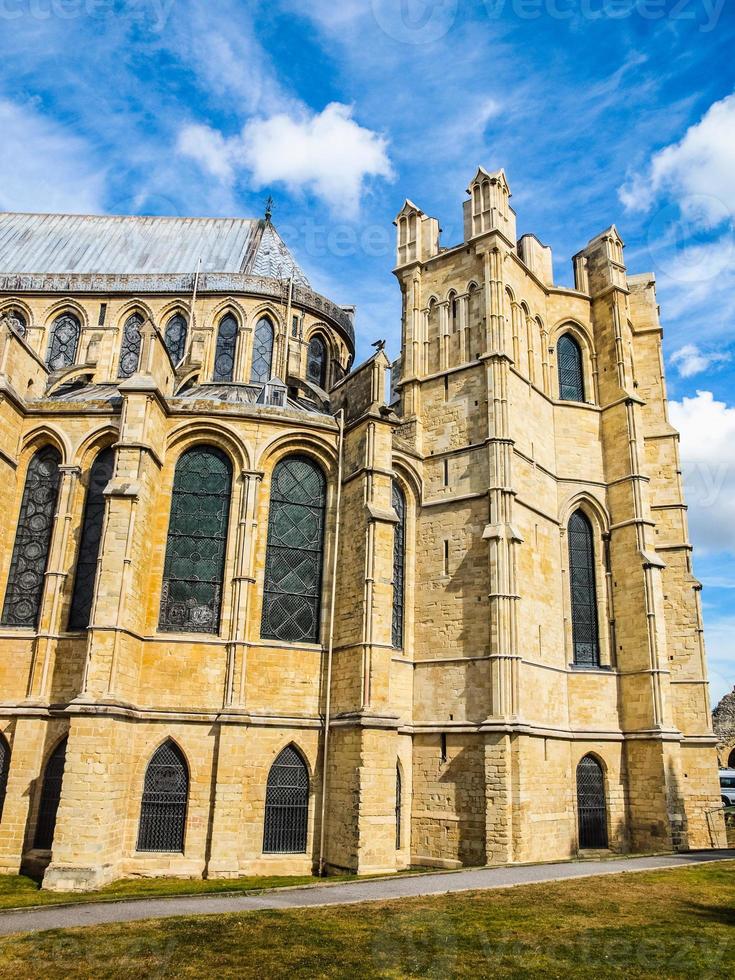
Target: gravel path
344	893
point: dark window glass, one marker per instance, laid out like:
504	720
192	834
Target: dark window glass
262	352
571	378
293	565
583	591
50	796
224	354
62	348
399	795
4	770
286	805
175	337
316	362
32	540
399	565
197	537
89	541
163	807
130	346
16	320
591	804
731	760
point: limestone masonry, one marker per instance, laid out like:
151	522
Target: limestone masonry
258	617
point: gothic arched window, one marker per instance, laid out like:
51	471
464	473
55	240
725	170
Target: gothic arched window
50	796
4	770
399	565
399	803
316	362
583	591
89	541
32	540
191	597
260	371
62	348
130	346
163	807
591	807
16	320
286	805
175	337
293	563
571	375
224	353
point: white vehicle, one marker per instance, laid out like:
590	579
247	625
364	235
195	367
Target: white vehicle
727	786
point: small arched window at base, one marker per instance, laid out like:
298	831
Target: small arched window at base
286	805
163	807
53	777
591	804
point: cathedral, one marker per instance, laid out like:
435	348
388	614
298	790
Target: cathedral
268	611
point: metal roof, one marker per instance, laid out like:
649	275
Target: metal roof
108	244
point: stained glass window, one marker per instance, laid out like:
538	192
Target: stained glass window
262	352
130	346
399	565
197	537
316	362
163	807
4	770
32	540
89	542
175	337
50	797
591	804
571	378
286	805
583	591
224	353
399	802
293	565
62	348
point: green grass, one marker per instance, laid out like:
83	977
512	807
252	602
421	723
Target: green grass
675	923
19	891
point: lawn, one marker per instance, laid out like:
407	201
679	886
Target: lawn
675	923
19	891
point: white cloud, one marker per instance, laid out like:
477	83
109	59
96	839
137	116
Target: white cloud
690	360
327	153
44	167
707	430
700	166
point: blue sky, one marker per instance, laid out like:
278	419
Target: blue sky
600	111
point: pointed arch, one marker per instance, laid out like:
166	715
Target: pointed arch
294	552
583	590
591	803
287	804
89	542
63	342
399	565
316	361
191	596
4	770
262	361
16	317
130	345
399	805
163	805
224	352
24	591
571	372
53	777
174	337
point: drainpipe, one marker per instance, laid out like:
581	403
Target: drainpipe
330	644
